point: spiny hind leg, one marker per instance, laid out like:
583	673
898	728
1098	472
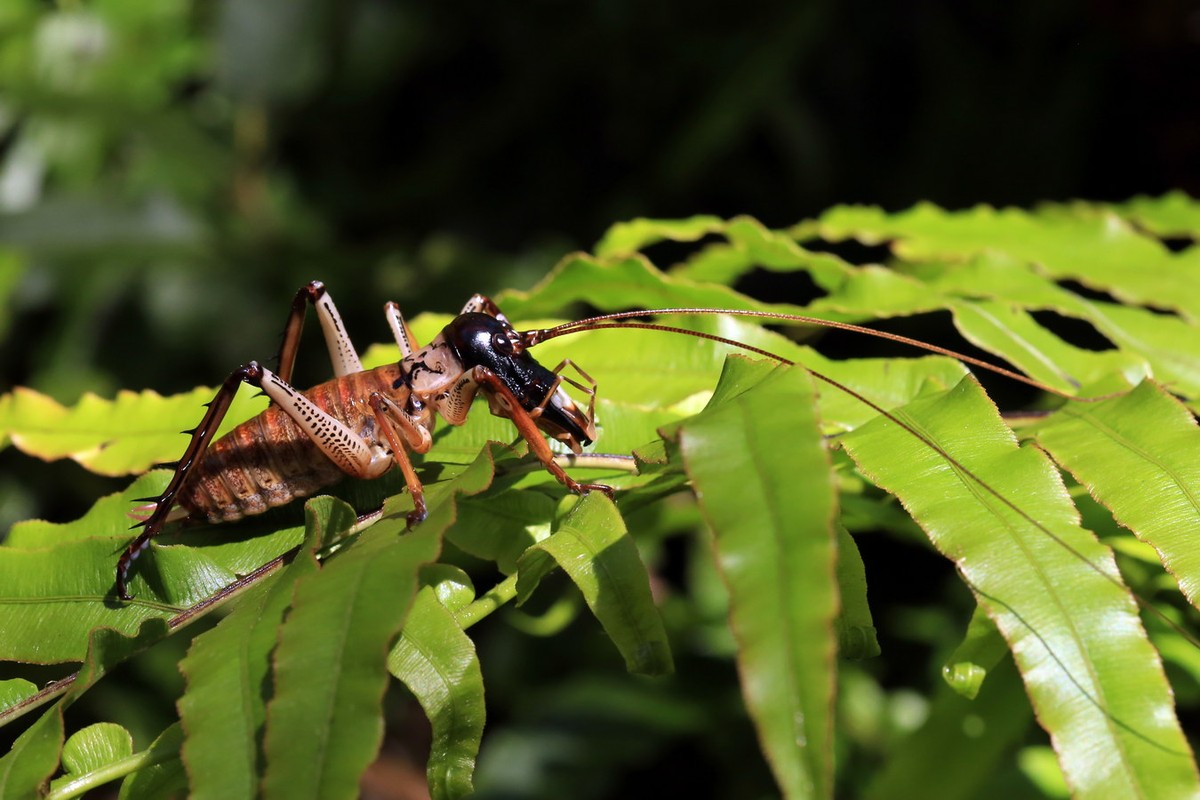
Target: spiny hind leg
350	452
341	350
353	454
202	436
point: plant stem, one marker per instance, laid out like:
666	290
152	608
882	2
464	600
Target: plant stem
488	602
78	786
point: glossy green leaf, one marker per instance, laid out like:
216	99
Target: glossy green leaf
108	517
1164	341
501	527
1149	343
775	545
1173	214
15	690
439	665
224	707
112	437
593	547
635	365
1052	590
749	245
1011	332
341	625
982	649
451	585
620	284
53	598
165	777
854	627
27	766
1096	248
58	579
1147	439
363	607
637	234
870	292
93	748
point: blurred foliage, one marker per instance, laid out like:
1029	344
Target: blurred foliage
169	172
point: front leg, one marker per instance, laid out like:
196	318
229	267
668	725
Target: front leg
507	403
392	422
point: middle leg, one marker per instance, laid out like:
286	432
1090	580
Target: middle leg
529	432
341	350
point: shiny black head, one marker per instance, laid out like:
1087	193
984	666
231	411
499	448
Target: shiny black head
481	340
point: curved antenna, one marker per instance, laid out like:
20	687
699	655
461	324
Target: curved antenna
609	321
604	321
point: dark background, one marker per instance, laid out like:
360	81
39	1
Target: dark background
171	173
199	163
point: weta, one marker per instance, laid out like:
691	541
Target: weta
363	422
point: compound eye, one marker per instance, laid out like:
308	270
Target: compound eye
503	344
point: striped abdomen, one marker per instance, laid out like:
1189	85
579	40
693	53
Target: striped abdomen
269	461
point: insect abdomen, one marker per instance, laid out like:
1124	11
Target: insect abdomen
268	461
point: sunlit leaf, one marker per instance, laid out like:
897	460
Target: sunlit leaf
439	665
630	237
112	437
1145	439
773	527
1173	214
1053	591
593	547
93	748
362	597
224	707
1096	248
33	758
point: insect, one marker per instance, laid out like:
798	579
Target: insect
364	422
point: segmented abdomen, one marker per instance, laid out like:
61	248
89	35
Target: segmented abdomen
269	461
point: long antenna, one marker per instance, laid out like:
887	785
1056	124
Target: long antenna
610	321
604	321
